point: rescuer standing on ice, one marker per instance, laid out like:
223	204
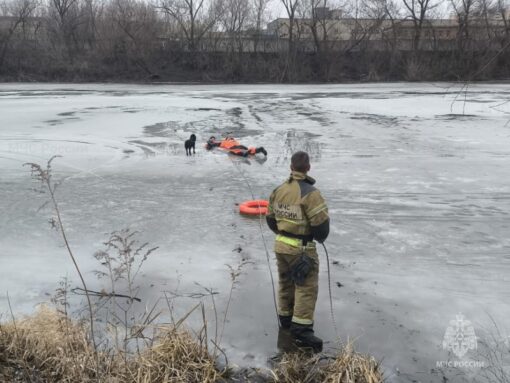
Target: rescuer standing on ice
298	214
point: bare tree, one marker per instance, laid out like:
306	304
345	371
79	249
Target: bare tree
368	20
484	11
504	10
259	10
378	36
137	21
324	31
418	11
234	19
388	10
291	7
495	16
91	10
491	20
319	24
17	13
233	24
371	39
66	18
463	12
194	17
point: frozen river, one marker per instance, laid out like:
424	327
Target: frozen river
416	176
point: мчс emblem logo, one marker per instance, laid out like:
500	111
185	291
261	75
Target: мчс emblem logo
460	336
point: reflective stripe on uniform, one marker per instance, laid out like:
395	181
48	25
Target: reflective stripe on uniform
317	210
294	242
284	313
297	320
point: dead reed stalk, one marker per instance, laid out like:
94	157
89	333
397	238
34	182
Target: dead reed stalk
44	176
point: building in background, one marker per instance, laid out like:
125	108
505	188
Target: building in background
331	26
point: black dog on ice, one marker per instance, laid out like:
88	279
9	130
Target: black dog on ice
190	144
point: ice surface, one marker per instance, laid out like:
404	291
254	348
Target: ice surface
416	177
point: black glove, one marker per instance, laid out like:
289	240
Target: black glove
321	232
300	269
271	222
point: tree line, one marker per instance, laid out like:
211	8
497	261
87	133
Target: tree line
227	40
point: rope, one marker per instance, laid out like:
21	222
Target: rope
263	241
330	295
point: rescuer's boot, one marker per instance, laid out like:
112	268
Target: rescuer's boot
286	342
285	321
303	334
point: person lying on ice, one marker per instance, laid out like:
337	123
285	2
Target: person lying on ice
234	147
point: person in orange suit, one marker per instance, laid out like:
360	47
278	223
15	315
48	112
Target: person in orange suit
233	146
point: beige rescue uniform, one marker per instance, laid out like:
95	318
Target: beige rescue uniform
297	205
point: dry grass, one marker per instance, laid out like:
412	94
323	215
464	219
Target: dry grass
48	347
176	357
347	367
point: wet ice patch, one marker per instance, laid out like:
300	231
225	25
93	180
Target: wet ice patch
293	141
457	117
164	129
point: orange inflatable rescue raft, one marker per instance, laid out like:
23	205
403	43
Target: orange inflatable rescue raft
256	207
